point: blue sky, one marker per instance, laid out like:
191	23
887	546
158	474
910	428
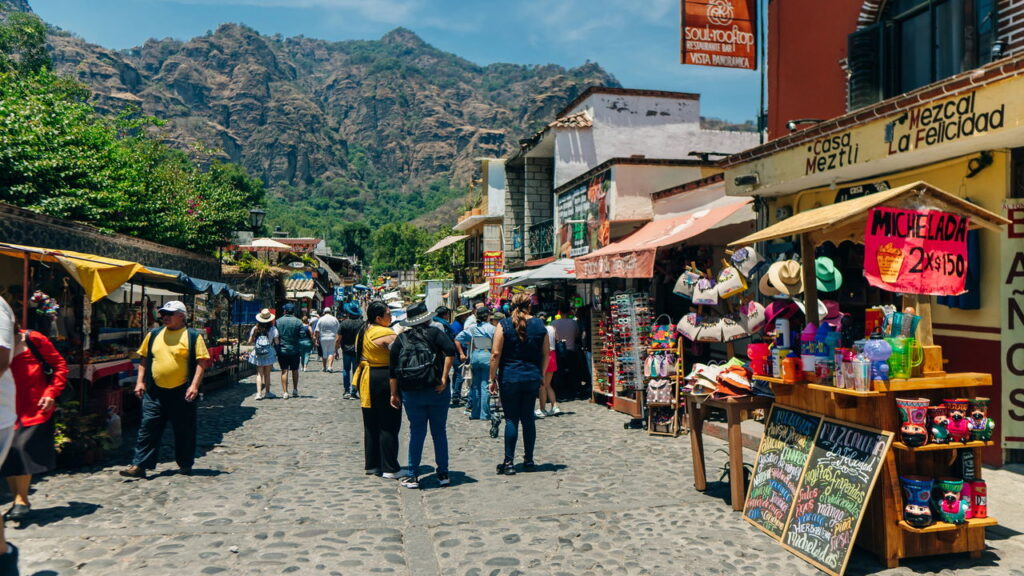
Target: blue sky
635	40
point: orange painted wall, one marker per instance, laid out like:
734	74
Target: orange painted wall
806	42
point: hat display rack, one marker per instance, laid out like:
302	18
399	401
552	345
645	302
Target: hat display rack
725	311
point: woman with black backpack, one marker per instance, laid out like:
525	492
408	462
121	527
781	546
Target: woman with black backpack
421	358
520	358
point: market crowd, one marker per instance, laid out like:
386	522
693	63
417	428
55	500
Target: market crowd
497	364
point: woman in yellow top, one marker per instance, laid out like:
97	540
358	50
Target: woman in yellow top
381	422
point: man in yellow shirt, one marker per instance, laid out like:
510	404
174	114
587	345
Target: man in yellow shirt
174	359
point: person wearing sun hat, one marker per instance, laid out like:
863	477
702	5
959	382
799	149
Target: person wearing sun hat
421	359
264	339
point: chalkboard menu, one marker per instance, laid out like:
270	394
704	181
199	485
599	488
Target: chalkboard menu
785	447
833	493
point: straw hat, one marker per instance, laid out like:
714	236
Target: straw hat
787	277
265	316
765	286
417	314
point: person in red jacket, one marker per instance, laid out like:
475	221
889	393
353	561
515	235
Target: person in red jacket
32	450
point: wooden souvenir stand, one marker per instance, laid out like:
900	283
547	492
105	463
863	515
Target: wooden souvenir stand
672	428
883	530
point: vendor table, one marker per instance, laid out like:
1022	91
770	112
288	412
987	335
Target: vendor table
736	411
94	372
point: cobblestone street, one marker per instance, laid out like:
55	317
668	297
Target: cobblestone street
279	488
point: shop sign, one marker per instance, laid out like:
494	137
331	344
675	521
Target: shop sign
916	251
851	192
582	217
945	121
719	33
1012	324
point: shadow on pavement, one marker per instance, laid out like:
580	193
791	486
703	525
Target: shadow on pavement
44	516
547	467
45	573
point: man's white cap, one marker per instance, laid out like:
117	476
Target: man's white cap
174	306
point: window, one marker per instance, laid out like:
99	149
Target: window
916	43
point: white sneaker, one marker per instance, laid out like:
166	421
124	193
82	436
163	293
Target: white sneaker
286	396
554	411
538	413
259	396
403	473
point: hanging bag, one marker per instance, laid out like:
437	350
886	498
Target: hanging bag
731	330
752	316
663	335
730	282
705	293
685	284
688	326
659	392
746	260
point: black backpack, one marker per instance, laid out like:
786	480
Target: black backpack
417	368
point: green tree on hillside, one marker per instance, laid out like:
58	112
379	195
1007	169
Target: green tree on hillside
397	246
58	156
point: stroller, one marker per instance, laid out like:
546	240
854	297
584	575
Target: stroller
497	414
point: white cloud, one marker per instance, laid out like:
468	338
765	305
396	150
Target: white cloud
394	12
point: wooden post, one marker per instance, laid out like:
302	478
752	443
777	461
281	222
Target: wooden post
810	279
24	293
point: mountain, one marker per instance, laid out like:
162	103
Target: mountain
379	130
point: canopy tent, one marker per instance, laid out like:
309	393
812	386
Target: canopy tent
195	285
264	245
445	242
633	256
476	290
300	294
562	269
846	220
126	295
98	275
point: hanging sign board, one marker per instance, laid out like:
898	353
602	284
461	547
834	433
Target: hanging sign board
834	491
916	251
719	33
784	451
1011	290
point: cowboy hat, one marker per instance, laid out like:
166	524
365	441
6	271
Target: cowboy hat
827	276
765	286
822	309
787	277
461	311
417	314
265	316
779	309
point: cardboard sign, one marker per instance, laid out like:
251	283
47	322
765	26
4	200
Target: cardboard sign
834	492
916	251
781	458
719	33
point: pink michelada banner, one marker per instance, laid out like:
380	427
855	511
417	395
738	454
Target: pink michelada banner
916	251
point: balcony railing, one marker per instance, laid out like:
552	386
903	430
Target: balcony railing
540	240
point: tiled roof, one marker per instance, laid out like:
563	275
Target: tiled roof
298	284
577	120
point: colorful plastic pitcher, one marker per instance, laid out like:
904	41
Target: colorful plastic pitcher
906	354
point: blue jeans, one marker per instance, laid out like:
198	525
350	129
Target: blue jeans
479	395
456	379
159	406
349	363
423	408
517	399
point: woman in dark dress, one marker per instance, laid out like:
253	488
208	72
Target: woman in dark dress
519	359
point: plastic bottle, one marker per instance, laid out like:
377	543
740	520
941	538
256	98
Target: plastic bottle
783	339
808	350
791	368
861	374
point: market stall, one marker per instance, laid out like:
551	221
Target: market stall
869	417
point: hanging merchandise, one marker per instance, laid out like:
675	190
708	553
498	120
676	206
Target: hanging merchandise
746	260
663	335
752	316
686	283
705	293
730	283
631	325
787	277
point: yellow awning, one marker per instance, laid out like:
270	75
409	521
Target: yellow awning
846	220
98	275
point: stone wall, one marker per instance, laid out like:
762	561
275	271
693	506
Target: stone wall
514	204
538	194
18	226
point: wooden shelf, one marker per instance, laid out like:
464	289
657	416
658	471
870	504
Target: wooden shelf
953	380
660	404
845	391
947	527
770	380
937	447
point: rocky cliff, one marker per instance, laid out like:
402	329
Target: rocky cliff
391	114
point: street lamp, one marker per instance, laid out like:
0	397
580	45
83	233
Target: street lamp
256	216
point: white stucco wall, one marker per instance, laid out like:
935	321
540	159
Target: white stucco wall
634	184
494	181
628	125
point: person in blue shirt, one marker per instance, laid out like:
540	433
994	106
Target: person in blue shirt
474	346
